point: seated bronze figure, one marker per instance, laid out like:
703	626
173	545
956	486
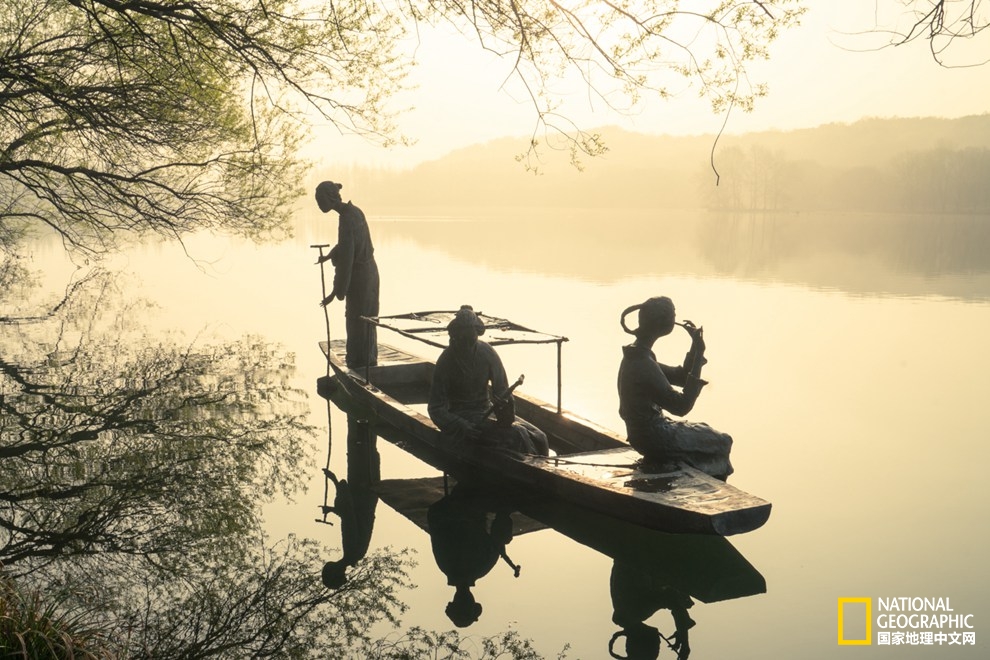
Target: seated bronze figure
469	384
648	390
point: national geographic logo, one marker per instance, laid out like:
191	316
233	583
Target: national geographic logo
854	621
903	621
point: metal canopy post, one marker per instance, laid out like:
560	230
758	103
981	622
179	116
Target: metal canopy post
367	366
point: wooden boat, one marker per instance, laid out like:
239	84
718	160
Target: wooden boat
592	466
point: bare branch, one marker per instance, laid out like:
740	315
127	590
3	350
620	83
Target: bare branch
950	28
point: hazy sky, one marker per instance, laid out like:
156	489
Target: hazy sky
815	77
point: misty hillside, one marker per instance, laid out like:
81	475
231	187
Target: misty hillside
902	165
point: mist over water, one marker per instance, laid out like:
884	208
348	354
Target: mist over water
842	356
844	359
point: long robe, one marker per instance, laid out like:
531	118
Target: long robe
460	399
355	280
646	390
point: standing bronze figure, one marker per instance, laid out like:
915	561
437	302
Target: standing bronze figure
647	391
355	278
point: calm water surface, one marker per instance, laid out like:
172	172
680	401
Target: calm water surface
847	358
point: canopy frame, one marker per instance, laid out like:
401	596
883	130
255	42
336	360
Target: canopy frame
430	328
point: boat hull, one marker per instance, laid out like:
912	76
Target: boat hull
592	466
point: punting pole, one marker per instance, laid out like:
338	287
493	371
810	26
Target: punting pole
559	374
323	288
326	317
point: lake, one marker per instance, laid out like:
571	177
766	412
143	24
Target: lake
847	359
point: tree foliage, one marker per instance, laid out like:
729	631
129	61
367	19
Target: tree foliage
452	645
132	474
624	52
137	116
160	116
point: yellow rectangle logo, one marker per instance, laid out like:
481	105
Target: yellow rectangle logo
867	638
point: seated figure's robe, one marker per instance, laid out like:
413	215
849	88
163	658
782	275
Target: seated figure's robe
646	390
460	398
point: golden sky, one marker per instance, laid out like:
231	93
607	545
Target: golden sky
819	73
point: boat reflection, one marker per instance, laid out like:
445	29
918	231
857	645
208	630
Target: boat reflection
653	571
470	526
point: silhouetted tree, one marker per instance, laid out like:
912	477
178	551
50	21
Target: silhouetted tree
137	116
165	117
624	51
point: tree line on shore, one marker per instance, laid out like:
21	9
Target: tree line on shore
925	165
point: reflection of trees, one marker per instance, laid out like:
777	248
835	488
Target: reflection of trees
942	254
451	645
776	247
261	603
128	438
132	471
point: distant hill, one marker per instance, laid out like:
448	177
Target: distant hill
920	164
874	141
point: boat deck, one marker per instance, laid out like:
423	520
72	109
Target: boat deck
591	465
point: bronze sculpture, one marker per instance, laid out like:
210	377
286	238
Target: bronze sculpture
355	278
469	383
646	392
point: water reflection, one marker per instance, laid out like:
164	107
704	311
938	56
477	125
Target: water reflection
653	572
133	470
470	526
355	500
110	427
467	544
858	253
635	598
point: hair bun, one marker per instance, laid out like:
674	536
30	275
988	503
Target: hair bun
622	319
